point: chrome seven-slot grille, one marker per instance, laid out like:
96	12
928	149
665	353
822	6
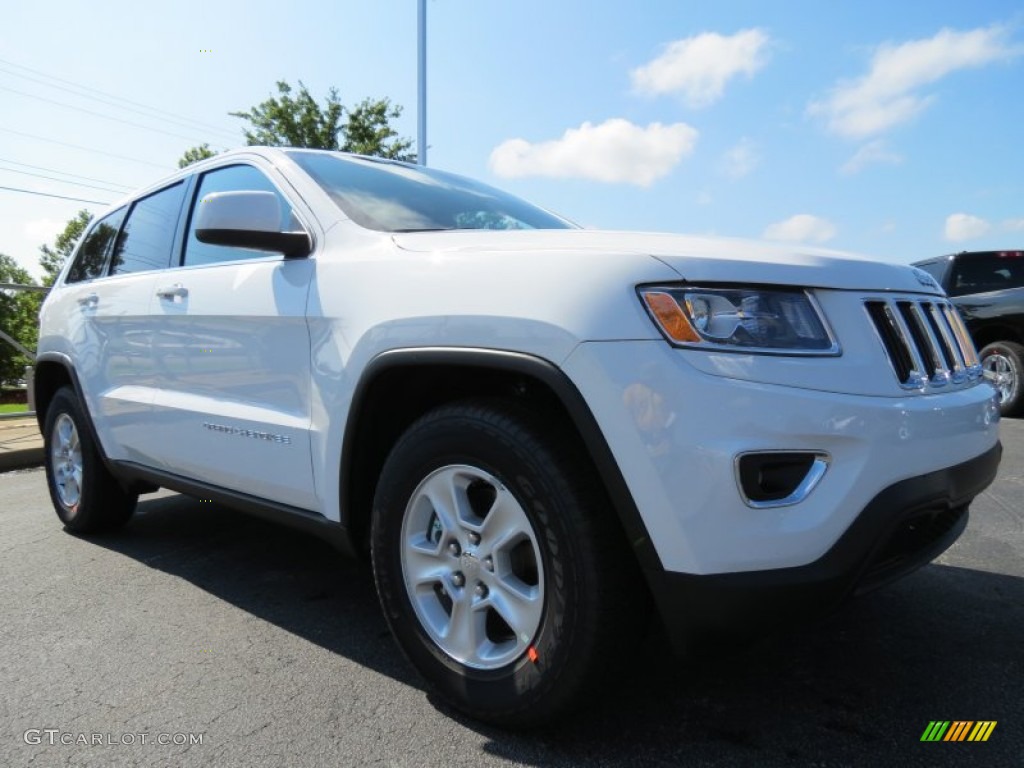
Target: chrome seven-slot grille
925	340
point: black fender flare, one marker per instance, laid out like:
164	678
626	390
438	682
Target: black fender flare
540	369
59	358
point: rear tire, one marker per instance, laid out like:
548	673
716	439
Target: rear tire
85	495
1003	363
500	566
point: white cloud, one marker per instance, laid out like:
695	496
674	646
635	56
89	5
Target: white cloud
802	228
615	151
889	94
704	198
699	67
741	159
873	153
963	226
1014	225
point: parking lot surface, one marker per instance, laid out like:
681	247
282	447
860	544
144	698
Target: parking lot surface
197	623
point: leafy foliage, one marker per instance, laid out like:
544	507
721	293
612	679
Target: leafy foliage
52	259
19	312
368	131
195	154
299	121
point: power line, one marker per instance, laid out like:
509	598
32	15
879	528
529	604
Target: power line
183	122
100	114
86	149
59	181
199	123
60	197
125	187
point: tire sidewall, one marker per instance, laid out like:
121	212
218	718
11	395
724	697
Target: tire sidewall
512	687
65	403
103	504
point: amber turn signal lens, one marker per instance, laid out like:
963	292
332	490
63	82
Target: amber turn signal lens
670	316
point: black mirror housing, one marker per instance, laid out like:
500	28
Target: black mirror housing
248	219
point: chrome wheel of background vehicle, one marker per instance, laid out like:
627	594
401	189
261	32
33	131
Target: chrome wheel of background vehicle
1003	364
472	567
999	372
66	458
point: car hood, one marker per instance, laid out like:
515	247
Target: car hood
695	259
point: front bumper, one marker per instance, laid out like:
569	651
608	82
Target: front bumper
902	470
675	433
905	526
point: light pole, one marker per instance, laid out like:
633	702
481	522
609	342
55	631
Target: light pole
421	134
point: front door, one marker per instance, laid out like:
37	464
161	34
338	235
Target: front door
233	405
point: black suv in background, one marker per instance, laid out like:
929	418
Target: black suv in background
988	289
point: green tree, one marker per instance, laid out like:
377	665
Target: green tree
299	121
19	312
52	259
195	154
368	131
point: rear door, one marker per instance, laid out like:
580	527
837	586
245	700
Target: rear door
109	288
233	406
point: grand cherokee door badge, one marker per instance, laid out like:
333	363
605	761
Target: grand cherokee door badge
255	434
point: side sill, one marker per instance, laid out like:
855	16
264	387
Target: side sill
301	519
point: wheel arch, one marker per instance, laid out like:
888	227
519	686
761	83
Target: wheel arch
53	371
398	386
990	334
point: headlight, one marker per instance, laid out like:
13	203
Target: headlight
780	321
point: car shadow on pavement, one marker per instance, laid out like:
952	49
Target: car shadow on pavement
857	688
288	578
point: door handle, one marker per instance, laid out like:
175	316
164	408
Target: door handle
175	291
89	301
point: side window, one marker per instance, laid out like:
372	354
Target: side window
936	269
91	259
234	178
148	235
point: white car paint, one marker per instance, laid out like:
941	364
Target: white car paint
301	332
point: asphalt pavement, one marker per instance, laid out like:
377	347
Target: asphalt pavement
199	624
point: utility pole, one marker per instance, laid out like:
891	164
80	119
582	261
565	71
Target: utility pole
421	134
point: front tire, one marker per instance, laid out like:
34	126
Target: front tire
500	566
1003	363
87	498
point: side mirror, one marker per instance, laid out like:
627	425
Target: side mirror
247	219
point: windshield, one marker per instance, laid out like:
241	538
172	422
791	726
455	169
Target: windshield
398	197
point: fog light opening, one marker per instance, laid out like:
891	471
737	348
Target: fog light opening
779	478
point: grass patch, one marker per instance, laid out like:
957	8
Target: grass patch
13	408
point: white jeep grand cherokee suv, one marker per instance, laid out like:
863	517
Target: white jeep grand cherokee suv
535	430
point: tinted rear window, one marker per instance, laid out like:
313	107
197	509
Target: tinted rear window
398	197
91	259
148	235
990	271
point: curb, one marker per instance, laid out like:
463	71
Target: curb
29	451
17	415
22	459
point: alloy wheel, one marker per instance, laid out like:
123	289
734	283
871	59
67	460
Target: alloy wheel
472	567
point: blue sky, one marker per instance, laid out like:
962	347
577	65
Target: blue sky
892	129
